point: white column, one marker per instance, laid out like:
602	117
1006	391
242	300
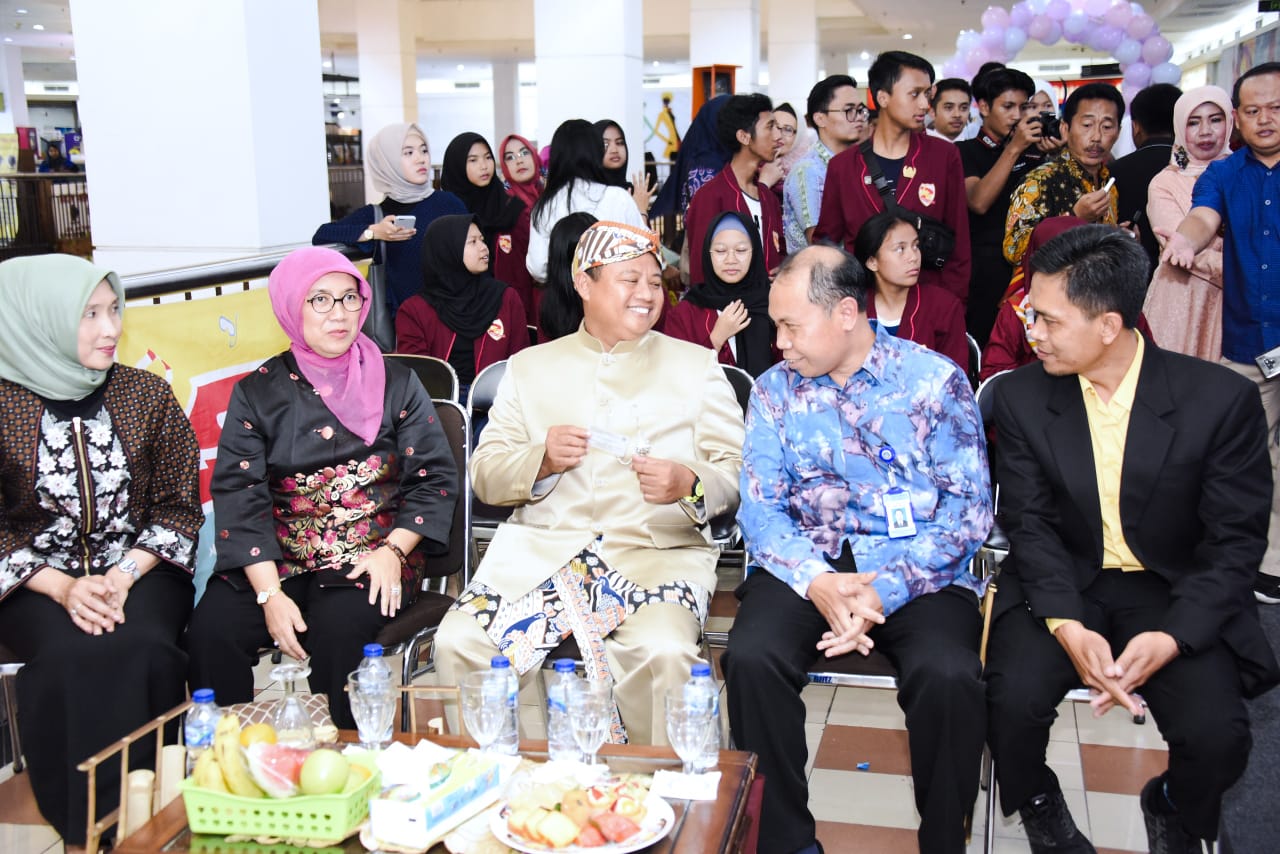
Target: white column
727	32
388	73
11	85
793	51
589	59
226	89
506	100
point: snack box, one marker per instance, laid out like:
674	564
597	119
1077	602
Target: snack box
416	815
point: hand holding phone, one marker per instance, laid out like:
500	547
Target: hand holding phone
405	221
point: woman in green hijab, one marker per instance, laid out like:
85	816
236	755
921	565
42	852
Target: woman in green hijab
99	511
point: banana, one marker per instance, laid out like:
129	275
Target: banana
207	774
230	756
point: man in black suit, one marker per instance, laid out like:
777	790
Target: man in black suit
1151	115
1136	491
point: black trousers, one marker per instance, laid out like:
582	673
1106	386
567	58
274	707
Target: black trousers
228	628
1195	700
77	693
932	641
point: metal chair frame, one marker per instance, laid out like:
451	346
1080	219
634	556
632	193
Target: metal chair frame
9	695
438	376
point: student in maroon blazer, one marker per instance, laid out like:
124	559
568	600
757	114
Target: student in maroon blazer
746	127
729	312
925	173
889	247
463	315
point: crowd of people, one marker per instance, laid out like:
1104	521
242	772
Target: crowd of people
844	271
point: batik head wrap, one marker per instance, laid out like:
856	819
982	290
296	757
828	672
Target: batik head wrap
611	242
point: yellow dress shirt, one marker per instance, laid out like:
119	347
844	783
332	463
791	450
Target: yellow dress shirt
1108	427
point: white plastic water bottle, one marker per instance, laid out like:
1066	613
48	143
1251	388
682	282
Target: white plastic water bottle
508	740
373	667
198	726
702	686
561	746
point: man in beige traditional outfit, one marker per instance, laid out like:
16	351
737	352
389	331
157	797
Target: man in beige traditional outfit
616	445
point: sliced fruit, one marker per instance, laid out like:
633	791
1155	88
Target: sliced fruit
259	733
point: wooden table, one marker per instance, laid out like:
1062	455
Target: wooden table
701	826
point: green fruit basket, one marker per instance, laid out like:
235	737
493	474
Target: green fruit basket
319	817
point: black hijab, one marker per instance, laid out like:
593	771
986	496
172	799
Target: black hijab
755	343
617	177
495	211
467	302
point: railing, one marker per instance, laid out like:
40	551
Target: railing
44	213
223	275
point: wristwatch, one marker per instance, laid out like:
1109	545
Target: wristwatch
264	595
129	567
366	235
697	493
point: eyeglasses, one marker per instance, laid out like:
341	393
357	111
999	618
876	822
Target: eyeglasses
786	131
853	113
516	155
324	303
1254	112
723	252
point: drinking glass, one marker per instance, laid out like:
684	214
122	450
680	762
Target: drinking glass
591	714
373	705
484	707
292	723
688	727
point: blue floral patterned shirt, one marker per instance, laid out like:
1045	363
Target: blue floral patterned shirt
814	472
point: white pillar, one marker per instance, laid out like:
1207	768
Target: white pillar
589	58
506	101
11	86
793	51
388	73
727	32
206	144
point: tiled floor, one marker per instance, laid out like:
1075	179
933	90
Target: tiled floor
1102	765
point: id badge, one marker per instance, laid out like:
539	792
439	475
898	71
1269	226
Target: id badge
613	444
897	511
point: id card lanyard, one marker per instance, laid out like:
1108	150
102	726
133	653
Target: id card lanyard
895	499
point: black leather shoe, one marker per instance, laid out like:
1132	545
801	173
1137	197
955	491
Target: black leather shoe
1049	826
1165	833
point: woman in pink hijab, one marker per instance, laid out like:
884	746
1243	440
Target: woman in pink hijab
1184	307
333	482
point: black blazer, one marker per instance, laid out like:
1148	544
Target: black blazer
1195	499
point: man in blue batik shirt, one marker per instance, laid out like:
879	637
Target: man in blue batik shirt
865	493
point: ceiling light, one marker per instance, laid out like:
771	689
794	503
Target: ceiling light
327	64
7	39
73	57
864	56
655	63
906	36
20	11
461	67
37	26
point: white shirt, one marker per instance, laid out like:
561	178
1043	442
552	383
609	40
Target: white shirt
603	202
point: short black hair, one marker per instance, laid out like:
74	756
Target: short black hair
949	84
1106	270
830	283
785	107
888	67
987	87
873	232
740	113
987	68
1093	92
1152	108
823	93
1256	71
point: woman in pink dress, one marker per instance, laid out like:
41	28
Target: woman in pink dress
1184	307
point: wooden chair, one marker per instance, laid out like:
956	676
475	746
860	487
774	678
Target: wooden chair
438	376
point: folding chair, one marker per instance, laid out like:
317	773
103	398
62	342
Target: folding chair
975	359
485	517
9	667
438	376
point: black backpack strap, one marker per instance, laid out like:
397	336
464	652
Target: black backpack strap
377	244
877	176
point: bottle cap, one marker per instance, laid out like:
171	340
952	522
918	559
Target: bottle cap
373	650
499	662
202	695
564	665
702	669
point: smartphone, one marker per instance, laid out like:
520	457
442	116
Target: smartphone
405	221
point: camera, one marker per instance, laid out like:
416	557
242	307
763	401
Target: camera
1050	125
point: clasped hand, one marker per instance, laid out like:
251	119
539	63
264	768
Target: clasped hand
851	607
95	603
1114	681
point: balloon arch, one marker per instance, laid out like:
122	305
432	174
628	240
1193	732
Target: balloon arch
1118	27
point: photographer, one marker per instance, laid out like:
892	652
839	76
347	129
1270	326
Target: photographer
995	162
1075	183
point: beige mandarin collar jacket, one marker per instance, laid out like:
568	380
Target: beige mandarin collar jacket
685	408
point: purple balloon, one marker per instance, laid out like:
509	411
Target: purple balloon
1136	8
977	57
996	17
1058	10
1166	72
1137	75
967	41
1129	50
954	67
992	38
1140	26
1119	14
1020	15
1075	24
1096	8
1109	37
1054	35
1156	50
1037	7
1039	28
1015	39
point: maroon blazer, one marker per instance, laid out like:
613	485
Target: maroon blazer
934	319
694	323
421	332
935	189
508	251
722	194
